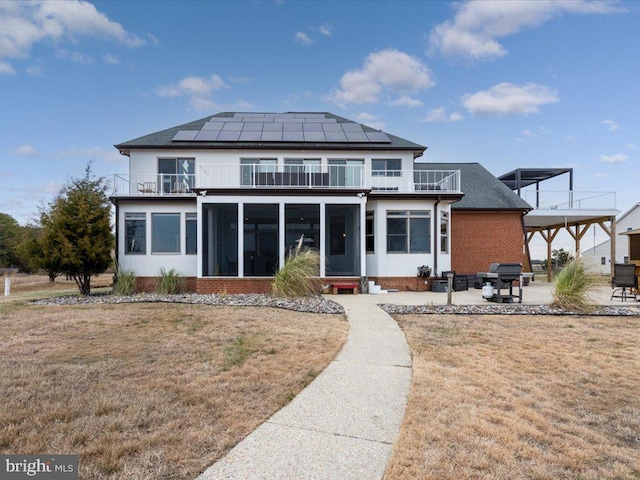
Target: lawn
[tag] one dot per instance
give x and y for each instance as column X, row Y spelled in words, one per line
column 521, row 397
column 150, row 391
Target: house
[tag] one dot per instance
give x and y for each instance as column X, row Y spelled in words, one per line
column 222, row 199
column 597, row 259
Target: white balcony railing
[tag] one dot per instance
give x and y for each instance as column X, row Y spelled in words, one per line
column 574, row 200
column 260, row 176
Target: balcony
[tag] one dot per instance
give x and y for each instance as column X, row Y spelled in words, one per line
column 571, row 200
column 255, row 176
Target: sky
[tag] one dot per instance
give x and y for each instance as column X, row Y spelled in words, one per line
column 508, row 84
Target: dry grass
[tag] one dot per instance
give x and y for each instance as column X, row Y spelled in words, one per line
column 25, row 287
column 151, row 391
column 521, row 398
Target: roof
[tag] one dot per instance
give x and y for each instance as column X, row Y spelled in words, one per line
column 635, row 205
column 523, row 177
column 202, row 134
column 482, row 190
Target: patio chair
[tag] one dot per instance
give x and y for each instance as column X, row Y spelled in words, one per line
column 624, row 281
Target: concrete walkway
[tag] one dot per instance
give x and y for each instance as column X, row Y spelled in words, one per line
column 344, row 424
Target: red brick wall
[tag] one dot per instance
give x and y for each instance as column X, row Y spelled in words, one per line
column 404, row 284
column 150, row 284
column 481, row 238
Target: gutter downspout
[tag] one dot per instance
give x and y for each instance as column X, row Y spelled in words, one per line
column 435, row 236
column 526, row 244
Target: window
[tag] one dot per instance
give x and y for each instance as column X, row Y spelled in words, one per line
column 261, row 239
column 369, row 229
column 386, row 167
column 176, row 174
column 191, row 233
column 258, row 171
column 135, row 225
column 444, row 232
column 337, row 235
column 634, row 248
column 625, row 260
column 408, row 231
column 302, row 165
column 345, row 173
column 165, row 233
column 603, row 260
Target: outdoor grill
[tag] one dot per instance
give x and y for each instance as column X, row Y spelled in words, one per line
column 499, row 276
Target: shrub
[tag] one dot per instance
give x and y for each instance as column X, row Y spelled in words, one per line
column 170, row 282
column 298, row 276
column 124, row 283
column 572, row 287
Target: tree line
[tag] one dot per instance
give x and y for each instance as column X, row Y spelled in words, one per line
column 73, row 235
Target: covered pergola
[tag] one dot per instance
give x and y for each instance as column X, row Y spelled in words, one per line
column 566, row 210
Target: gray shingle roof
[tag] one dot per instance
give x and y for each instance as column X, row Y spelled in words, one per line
column 164, row 139
column 482, row 191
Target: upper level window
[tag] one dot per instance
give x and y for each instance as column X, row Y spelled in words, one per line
column 258, row 171
column 345, row 172
column 408, row 231
column 386, row 167
column 176, row 174
column 302, row 165
column 135, row 226
column 165, row 233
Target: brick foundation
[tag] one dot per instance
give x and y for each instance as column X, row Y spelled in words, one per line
column 404, row 284
column 479, row 238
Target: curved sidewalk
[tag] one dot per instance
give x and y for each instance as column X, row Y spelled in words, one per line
column 344, row 424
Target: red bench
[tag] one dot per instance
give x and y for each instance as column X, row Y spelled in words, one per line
column 354, row 287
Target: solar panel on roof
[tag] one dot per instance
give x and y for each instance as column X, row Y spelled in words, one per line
column 335, row 136
column 250, row 136
column 332, row 127
column 232, row 127
column 249, row 115
column 378, row 137
column 292, row 127
column 230, row 119
column 228, row 136
column 314, row 137
column 272, row 127
column 185, row 135
column 213, row 126
column 309, row 115
column 311, row 127
column 271, row 136
column 352, row 127
column 356, row 137
column 292, row 136
column 291, row 120
column 253, row 127
column 207, row 135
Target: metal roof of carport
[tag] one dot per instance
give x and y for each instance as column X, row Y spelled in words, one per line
column 524, row 177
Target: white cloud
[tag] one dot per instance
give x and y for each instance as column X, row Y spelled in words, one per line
column 35, row 71
column 75, row 56
column 198, row 89
column 611, row 125
column 6, row 69
column 240, row 80
column 631, row 146
column 406, row 101
column 25, row 151
column 509, row 99
column 303, row 38
column 23, row 24
column 474, row 31
column 370, row 120
column 111, row 59
column 326, row 29
column 393, row 70
column 613, row 159
column 440, row 114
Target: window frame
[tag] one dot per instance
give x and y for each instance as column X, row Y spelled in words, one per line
column 444, row 234
column 410, row 218
column 135, row 217
column 376, row 171
column 177, row 235
column 190, row 218
column 370, row 229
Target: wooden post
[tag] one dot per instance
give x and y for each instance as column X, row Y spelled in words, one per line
column 613, row 244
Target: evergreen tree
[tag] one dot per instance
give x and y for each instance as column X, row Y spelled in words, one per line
column 10, row 232
column 77, row 236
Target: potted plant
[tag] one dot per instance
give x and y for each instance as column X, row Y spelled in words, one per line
column 424, row 271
